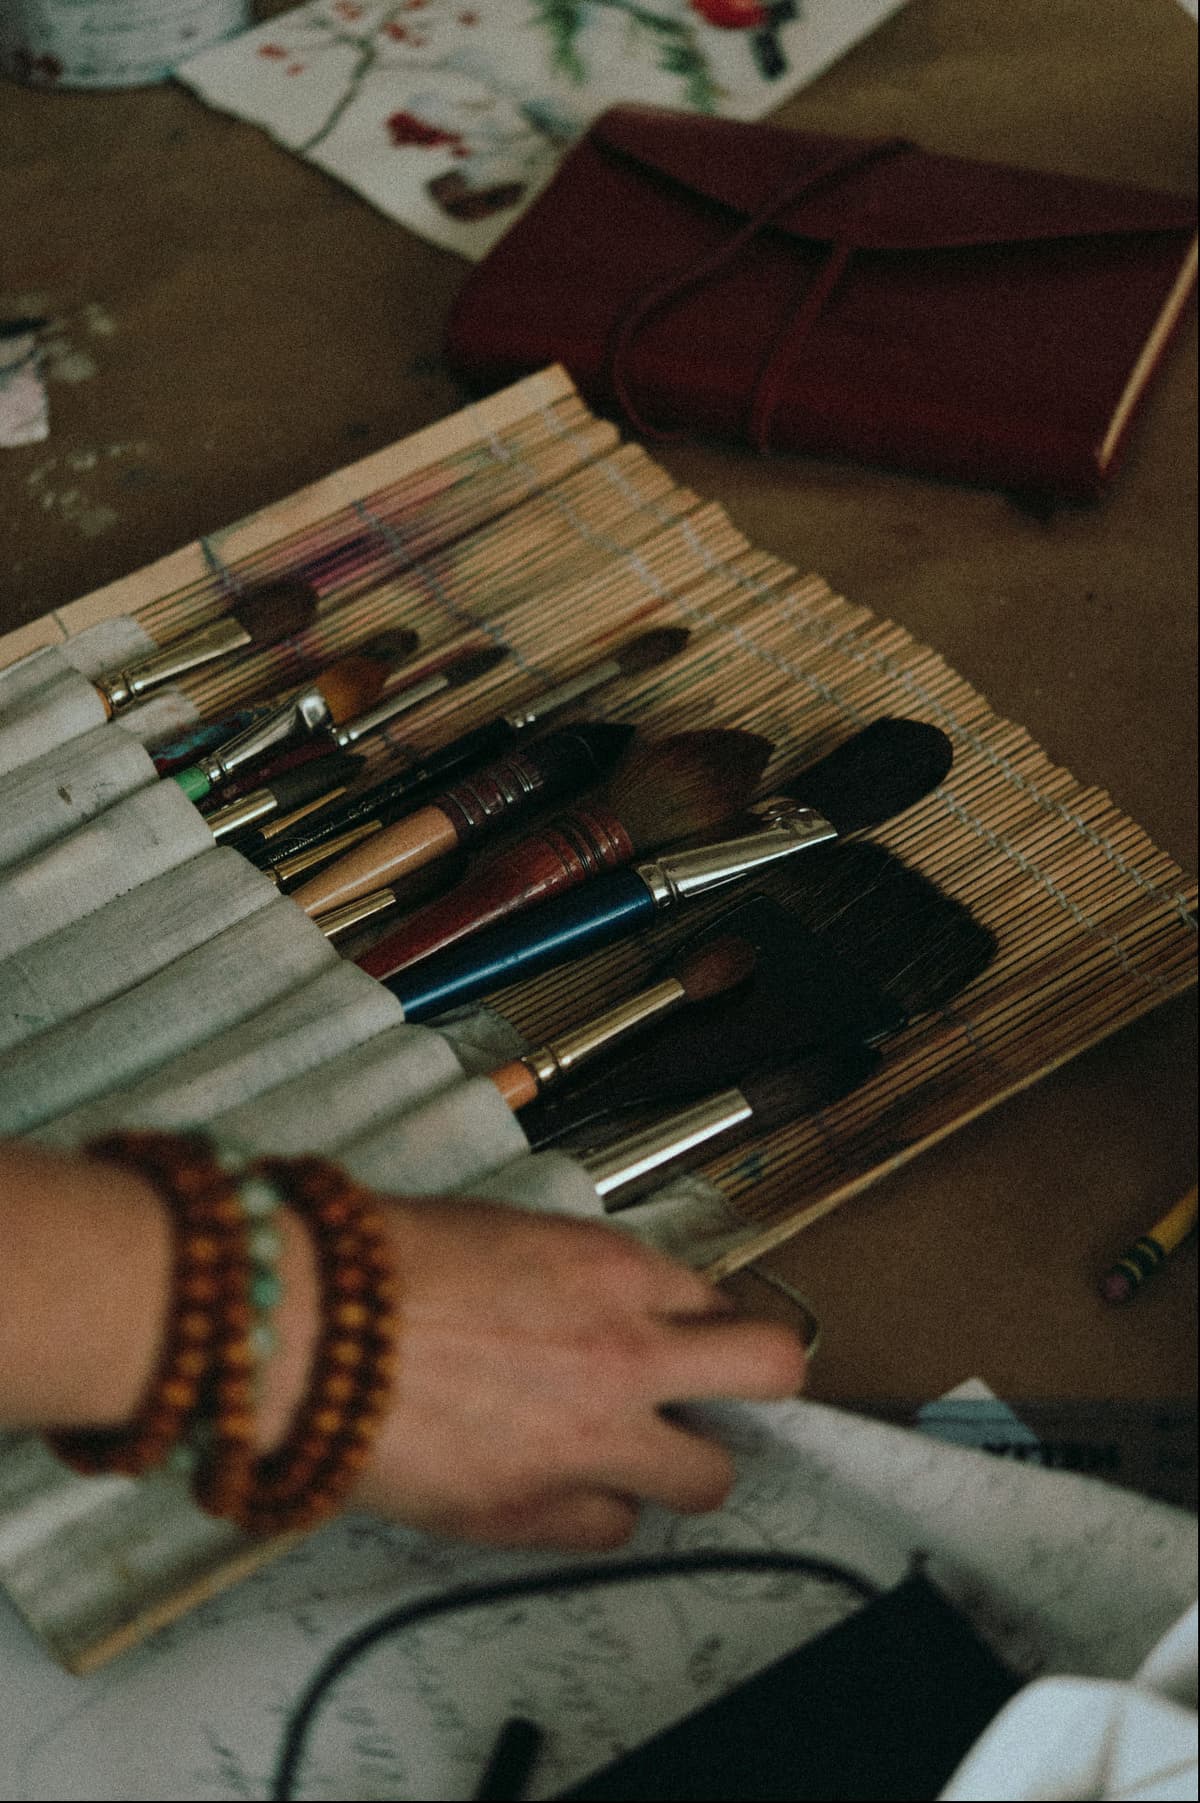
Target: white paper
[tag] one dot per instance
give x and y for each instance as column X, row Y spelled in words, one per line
column 24, row 404
column 436, row 109
column 1063, row 1574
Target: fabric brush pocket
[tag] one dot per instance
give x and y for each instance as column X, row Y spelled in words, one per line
column 131, row 843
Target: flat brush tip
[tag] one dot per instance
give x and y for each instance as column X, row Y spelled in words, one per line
column 887, row 767
column 651, row 648
column 716, row 968
column 276, row 611
column 792, row 1091
column 352, row 684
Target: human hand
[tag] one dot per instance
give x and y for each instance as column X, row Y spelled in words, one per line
column 536, row 1354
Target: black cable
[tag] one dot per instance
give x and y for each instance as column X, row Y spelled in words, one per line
column 467, row 1596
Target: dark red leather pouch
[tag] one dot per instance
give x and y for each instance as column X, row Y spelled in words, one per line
column 838, row 297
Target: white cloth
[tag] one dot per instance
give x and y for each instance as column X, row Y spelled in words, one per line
column 1094, row 1738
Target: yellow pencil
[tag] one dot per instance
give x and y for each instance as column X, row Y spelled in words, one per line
column 1151, row 1250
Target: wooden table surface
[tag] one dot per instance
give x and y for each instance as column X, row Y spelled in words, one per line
column 231, row 324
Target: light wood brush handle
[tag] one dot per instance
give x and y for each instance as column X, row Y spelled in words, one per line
column 382, row 859
column 516, row 1083
column 544, row 772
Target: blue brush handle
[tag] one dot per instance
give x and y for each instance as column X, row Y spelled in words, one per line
column 612, row 907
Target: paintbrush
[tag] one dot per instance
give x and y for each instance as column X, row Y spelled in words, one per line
column 757, row 1105
column 699, row 976
column 862, row 945
column 536, row 775
column 664, row 790
column 306, row 786
column 331, row 705
column 393, row 647
column 392, row 797
column 270, row 613
column 875, row 775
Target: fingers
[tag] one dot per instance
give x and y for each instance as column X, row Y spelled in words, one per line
column 674, row 1467
column 758, row 1360
column 643, row 1279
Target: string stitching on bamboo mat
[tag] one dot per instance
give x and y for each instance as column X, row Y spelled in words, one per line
column 227, row 579
column 954, row 808
column 432, row 583
column 887, row 666
column 1092, row 927
column 948, row 1013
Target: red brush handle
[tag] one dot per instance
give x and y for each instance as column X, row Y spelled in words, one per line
column 572, row 849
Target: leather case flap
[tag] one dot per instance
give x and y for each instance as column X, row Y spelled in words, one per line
column 914, row 200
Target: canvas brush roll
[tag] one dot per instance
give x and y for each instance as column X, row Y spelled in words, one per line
column 837, row 296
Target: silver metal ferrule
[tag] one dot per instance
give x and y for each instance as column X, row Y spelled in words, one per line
column 388, row 709
column 558, row 1056
column 787, row 828
column 255, row 806
column 562, row 695
column 303, row 714
column 123, row 687
column 641, row 1154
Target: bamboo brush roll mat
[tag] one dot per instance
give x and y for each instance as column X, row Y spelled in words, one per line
column 148, row 976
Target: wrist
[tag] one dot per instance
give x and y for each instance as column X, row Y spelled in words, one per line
column 284, row 1374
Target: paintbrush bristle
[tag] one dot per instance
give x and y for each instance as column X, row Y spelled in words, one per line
column 651, row 648
column 689, row 783
column 471, row 665
column 779, row 1097
column 878, row 773
column 352, row 685
column 717, row 968
column 292, row 788
column 393, row 648
column 276, row 611
column 895, row 928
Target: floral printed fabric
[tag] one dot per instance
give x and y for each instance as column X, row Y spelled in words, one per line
column 451, row 115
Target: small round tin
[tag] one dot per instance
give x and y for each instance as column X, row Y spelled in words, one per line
column 110, row 43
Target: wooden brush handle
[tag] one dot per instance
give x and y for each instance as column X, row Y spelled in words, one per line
column 516, row 1083
column 473, row 807
column 570, row 851
column 379, row 860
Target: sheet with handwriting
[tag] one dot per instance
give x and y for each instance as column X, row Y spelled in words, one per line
column 1061, row 1573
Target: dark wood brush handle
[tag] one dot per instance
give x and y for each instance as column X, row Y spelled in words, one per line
column 571, row 850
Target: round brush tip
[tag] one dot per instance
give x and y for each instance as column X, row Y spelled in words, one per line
column 887, row 767
column 393, row 647
column 717, row 968
column 691, row 782
column 277, row 610
column 469, row 666
column 651, row 648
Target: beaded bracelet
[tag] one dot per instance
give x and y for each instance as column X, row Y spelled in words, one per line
column 206, row 1334
column 198, row 1413
column 307, row 1479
